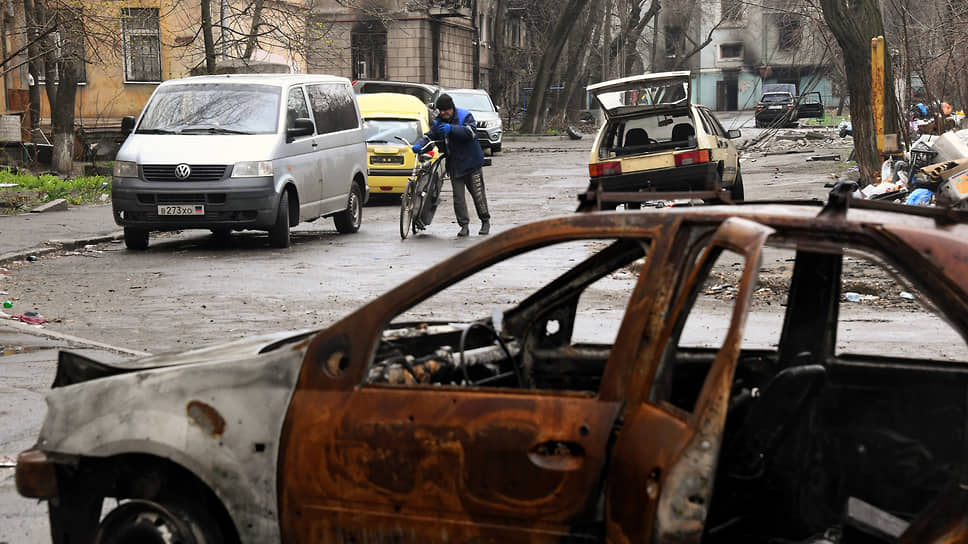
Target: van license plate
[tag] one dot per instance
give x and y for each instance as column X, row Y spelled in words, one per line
column 181, row 209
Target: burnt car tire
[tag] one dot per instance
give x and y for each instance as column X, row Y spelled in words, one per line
column 736, row 192
column 147, row 522
column 279, row 232
column 135, row 238
column 349, row 220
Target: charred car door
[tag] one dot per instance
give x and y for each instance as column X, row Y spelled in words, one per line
column 465, row 432
column 664, row 460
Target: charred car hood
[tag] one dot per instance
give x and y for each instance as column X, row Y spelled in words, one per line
column 75, row 368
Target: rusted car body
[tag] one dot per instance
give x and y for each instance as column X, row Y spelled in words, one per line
column 504, row 428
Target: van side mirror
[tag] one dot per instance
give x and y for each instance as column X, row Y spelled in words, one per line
column 497, row 108
column 733, row 134
column 302, row 126
column 127, row 125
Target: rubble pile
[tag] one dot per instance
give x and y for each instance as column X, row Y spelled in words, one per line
column 933, row 172
column 795, row 141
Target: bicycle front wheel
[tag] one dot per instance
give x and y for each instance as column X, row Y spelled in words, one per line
column 406, row 210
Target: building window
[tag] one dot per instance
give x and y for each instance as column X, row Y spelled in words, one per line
column 369, row 44
column 730, row 51
column 789, row 32
column 732, row 10
column 675, row 41
column 142, row 44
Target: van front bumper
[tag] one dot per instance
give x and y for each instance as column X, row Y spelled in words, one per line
column 236, row 203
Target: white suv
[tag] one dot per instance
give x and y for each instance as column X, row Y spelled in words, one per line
column 489, row 125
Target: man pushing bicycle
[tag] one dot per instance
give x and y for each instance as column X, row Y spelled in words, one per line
column 457, row 128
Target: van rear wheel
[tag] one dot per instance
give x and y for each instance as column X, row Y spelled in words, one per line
column 279, row 233
column 135, row 238
column 349, row 220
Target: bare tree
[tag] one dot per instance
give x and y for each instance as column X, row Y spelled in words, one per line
column 536, row 113
column 854, row 24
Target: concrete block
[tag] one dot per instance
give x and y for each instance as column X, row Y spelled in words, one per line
column 59, row 205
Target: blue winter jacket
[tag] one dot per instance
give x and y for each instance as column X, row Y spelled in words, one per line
column 464, row 154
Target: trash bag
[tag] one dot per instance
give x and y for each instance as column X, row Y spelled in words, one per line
column 920, row 197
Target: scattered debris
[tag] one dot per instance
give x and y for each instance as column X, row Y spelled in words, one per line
column 30, row 320
column 58, row 205
column 823, row 158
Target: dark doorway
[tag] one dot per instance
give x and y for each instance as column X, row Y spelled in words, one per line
column 368, row 42
column 727, row 93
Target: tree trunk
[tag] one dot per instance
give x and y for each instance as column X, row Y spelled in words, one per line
column 33, row 69
column 252, row 39
column 206, row 7
column 535, row 115
column 854, row 24
column 62, row 117
column 498, row 80
column 575, row 74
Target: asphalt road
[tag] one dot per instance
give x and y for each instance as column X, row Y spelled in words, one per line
column 188, row 291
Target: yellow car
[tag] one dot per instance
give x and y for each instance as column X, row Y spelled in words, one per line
column 387, row 116
column 655, row 139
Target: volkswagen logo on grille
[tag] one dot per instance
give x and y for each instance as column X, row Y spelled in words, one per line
column 182, row 171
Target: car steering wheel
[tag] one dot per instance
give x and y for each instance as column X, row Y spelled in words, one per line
column 463, row 362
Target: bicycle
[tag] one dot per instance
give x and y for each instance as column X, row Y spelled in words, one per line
column 418, row 203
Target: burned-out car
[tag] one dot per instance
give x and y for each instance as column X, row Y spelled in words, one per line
column 718, row 374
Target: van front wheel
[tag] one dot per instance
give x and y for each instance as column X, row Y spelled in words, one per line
column 279, row 232
column 349, row 220
column 135, row 238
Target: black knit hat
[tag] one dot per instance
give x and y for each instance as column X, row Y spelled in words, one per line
column 445, row 102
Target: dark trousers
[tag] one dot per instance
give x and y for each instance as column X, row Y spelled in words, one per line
column 475, row 184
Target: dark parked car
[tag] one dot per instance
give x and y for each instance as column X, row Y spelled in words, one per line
column 810, row 105
column 776, row 109
column 635, row 385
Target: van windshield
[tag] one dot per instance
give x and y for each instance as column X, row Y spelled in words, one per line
column 207, row 108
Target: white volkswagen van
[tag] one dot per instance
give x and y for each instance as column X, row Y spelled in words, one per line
column 234, row 152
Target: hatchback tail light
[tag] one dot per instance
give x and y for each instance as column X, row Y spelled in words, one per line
column 692, row 157
column 605, row 169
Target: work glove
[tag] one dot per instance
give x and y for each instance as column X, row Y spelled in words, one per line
column 443, row 127
column 416, row 148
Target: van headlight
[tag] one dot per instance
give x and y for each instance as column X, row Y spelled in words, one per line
column 125, row 169
column 252, row 169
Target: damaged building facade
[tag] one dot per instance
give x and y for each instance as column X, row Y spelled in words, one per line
column 749, row 45
column 425, row 42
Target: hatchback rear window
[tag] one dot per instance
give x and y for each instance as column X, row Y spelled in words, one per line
column 776, row 98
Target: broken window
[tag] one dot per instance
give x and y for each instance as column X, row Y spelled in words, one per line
column 789, row 31
column 369, row 50
column 731, row 51
column 675, row 41
column 545, row 319
column 142, row 44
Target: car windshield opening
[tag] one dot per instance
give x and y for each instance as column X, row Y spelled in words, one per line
column 216, row 108
column 386, row 130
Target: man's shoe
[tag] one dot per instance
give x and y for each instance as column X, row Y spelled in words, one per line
column 485, row 227
column 464, row 231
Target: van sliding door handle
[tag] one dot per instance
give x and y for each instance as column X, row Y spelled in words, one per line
column 314, row 144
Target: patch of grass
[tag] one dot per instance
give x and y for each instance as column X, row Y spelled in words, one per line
column 31, row 190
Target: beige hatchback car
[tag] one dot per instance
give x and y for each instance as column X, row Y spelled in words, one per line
column 655, row 139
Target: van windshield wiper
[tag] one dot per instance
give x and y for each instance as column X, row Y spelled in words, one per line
column 155, row 131
column 377, row 142
column 211, row 130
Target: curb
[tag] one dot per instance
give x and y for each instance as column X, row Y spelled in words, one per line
column 7, row 321
column 52, row 246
